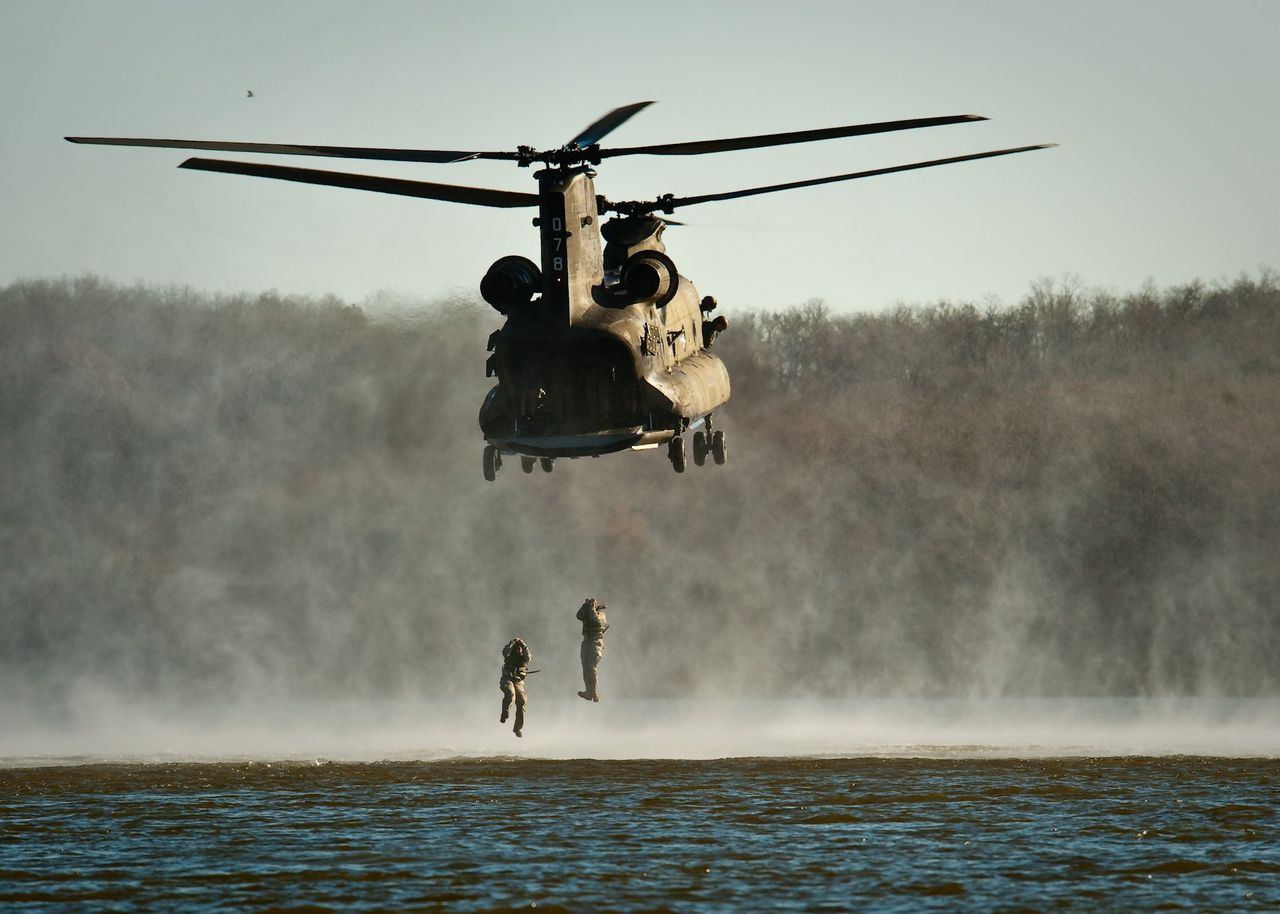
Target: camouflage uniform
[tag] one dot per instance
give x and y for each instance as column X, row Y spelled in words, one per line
column 515, row 666
column 591, row 615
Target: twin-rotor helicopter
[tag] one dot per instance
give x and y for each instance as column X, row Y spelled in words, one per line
column 605, row 346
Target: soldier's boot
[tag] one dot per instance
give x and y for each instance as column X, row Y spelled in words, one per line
column 586, row 696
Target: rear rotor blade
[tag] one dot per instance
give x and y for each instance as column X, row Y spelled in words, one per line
column 607, row 124
column 453, row 193
column 698, row 147
column 667, row 204
column 339, row 152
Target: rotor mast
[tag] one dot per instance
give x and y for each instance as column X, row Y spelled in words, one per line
column 570, row 227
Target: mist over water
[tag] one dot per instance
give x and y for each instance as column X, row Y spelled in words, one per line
column 254, row 526
column 560, row 727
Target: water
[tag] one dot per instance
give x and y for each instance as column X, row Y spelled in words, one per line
column 949, row 824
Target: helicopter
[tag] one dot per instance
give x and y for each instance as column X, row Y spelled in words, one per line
column 605, row 346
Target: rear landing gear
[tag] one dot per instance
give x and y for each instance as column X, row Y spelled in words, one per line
column 700, row 448
column 676, row 454
column 492, row 462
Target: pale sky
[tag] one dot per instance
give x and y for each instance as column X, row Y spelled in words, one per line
column 1165, row 112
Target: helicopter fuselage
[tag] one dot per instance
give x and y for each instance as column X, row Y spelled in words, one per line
column 612, row 354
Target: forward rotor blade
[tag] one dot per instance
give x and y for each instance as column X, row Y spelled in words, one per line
column 673, row 202
column 607, row 124
column 698, row 147
column 453, row 193
column 338, row 152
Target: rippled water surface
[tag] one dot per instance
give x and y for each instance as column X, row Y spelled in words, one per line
column 901, row 834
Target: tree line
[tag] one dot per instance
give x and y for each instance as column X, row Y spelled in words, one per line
column 1077, row 494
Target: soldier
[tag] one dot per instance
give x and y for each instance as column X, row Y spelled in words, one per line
column 515, row 666
column 591, row 615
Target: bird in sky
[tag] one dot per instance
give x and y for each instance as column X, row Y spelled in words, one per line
column 249, row 94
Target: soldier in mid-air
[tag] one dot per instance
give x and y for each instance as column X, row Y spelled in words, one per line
column 591, row 615
column 515, row 667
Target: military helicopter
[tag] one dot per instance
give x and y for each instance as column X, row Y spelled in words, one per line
column 603, row 348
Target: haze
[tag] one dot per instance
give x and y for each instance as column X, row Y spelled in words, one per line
column 241, row 463
column 227, row 508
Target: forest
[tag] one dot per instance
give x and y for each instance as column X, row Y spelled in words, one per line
column 1077, row 494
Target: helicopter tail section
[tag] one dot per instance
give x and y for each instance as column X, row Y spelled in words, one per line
column 565, row 385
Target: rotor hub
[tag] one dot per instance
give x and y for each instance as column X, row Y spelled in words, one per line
column 564, row 157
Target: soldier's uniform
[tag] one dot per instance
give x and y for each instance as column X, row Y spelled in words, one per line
column 594, row 625
column 515, row 666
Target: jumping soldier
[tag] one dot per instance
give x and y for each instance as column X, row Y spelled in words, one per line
column 591, row 615
column 515, row 667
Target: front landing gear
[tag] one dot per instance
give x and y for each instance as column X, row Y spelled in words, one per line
column 707, row 442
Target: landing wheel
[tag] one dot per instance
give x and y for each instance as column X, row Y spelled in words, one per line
column 717, row 448
column 700, row 448
column 527, row 463
column 675, row 453
column 548, row 464
column 491, row 462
